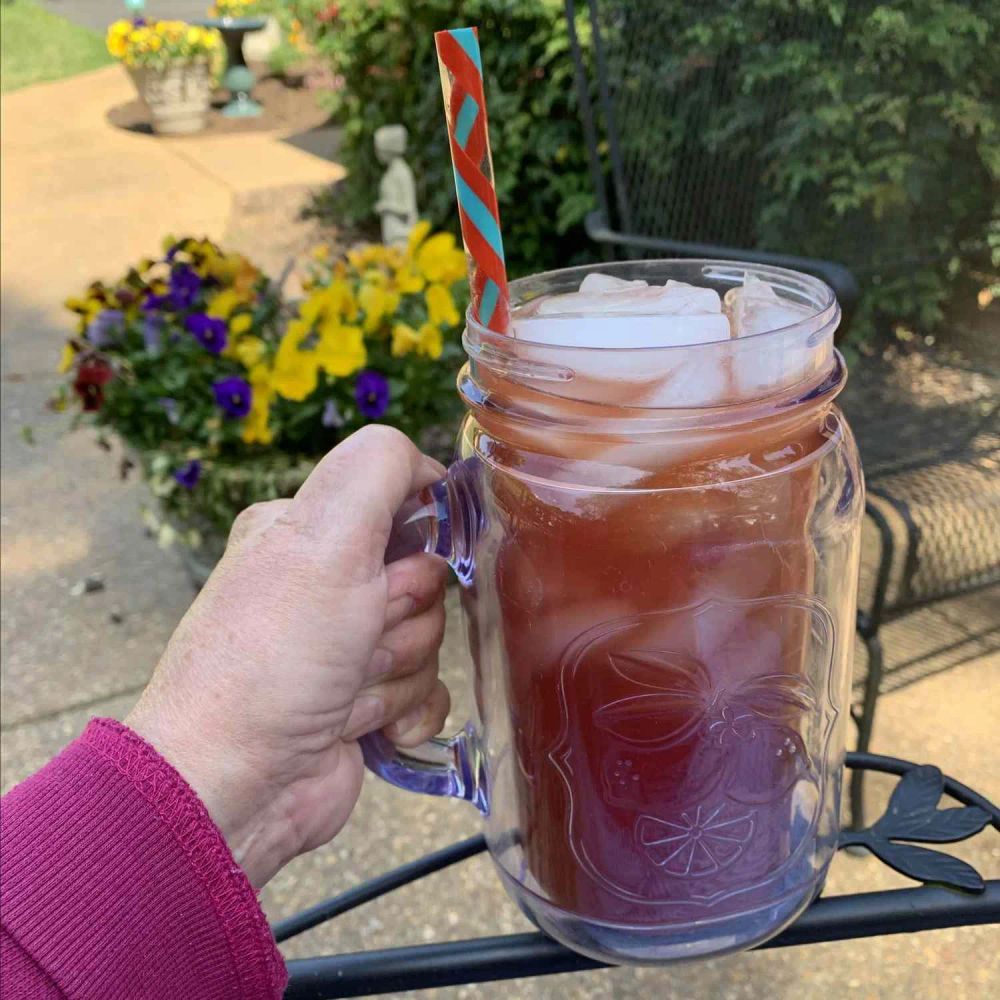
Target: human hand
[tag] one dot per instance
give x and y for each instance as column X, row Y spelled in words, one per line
column 302, row 641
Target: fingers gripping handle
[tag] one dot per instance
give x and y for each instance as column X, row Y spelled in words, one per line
column 445, row 519
column 452, row 766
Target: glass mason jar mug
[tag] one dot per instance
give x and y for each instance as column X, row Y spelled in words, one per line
column 658, row 552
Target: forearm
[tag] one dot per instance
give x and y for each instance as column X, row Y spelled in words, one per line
column 117, row 884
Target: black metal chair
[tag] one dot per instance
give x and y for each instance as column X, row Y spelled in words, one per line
column 912, row 816
column 674, row 190
column 938, row 525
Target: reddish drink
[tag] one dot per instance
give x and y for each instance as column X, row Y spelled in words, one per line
column 657, row 654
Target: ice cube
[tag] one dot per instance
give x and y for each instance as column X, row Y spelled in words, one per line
column 780, row 360
column 597, row 282
column 608, row 312
column 756, row 307
column 602, row 294
column 619, row 330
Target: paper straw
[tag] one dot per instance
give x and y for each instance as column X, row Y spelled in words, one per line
column 468, row 135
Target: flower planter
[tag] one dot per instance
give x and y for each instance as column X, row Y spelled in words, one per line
column 177, row 96
column 225, row 394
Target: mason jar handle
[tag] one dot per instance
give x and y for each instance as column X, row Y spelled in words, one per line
column 446, row 519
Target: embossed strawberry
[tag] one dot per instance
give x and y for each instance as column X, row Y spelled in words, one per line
column 762, row 756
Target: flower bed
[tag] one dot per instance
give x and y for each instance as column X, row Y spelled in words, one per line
column 227, row 393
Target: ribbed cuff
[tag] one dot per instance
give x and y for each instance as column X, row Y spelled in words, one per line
column 119, row 885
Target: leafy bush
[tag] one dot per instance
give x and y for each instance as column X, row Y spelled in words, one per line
column 885, row 156
column 226, row 392
column 385, row 53
column 876, row 124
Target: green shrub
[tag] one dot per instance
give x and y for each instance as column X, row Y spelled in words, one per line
column 884, row 150
column 885, row 156
column 385, row 53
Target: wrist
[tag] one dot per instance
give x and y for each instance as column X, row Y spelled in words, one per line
column 238, row 804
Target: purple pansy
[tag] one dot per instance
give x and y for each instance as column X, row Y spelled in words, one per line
column 371, row 392
column 331, row 415
column 209, row 331
column 169, row 405
column 139, row 22
column 188, row 474
column 184, row 287
column 233, row 395
column 151, row 329
column 104, row 326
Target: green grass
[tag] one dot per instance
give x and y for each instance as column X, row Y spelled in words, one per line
column 36, row 45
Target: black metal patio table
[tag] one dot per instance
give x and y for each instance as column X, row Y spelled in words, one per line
column 953, row 895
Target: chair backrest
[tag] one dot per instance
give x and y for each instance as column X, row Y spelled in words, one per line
column 686, row 143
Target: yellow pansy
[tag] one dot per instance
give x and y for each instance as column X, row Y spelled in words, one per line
column 408, row 280
column 426, row 341
column 342, row 300
column 378, row 302
column 248, row 350
column 86, row 308
column 337, row 299
column 431, row 341
column 417, row 235
column 256, row 429
column 341, row 349
column 223, row 303
column 240, row 323
column 311, row 309
column 440, row 260
column 393, row 258
column 404, row 340
column 117, row 38
column 441, row 306
column 231, row 269
column 364, row 257
column 69, row 353
column 296, row 371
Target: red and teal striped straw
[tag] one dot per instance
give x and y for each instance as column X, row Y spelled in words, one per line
column 468, row 134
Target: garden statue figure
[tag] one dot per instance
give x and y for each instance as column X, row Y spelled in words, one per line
column 397, row 191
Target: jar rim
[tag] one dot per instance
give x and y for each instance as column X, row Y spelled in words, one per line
column 821, row 321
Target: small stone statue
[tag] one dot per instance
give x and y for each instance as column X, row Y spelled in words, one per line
column 397, row 191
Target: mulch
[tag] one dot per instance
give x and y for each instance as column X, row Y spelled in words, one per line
column 290, row 107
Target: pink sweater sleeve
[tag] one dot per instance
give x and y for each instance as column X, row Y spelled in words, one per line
column 116, row 884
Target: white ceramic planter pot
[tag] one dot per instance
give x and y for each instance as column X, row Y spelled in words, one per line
column 177, row 96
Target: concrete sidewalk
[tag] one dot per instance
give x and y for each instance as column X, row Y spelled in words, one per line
column 81, row 200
